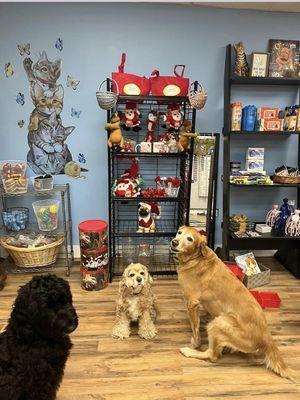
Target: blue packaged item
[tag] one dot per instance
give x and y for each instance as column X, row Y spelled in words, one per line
column 249, row 118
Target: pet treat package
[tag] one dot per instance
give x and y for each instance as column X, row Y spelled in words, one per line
column 94, row 254
column 248, row 264
column 175, row 85
column 130, row 84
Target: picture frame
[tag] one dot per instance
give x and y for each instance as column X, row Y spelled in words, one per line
column 284, row 58
column 259, row 64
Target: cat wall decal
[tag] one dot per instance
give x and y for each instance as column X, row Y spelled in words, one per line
column 48, row 152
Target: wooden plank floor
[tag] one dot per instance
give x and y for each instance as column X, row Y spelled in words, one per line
column 103, row 368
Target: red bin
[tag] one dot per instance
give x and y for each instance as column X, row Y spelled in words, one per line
column 94, row 254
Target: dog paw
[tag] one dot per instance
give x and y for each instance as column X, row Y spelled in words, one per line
column 186, row 351
column 120, row 334
column 195, row 343
column 147, row 334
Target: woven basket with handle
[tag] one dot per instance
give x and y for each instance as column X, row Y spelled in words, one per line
column 286, row 180
column 197, row 97
column 107, row 99
column 33, row 257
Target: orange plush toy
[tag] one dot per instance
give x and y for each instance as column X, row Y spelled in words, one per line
column 185, row 136
column 116, row 140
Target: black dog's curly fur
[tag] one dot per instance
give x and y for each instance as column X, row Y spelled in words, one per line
column 35, row 345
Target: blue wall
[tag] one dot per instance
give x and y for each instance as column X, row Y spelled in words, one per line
column 154, row 36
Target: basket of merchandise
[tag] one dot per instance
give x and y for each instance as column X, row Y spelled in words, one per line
column 31, row 250
column 256, row 274
column 285, row 175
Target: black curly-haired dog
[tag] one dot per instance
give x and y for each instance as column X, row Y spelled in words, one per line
column 35, row 345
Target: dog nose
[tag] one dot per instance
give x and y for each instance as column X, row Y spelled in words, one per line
column 175, row 243
column 139, row 279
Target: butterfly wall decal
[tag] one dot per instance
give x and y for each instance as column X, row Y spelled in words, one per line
column 20, row 99
column 71, row 82
column 24, row 49
column 9, row 70
column 81, row 158
column 59, row 44
column 75, row 113
column 21, row 123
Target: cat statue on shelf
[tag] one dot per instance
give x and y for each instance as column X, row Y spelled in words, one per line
column 44, row 72
column 241, row 67
column 45, row 105
column 48, row 152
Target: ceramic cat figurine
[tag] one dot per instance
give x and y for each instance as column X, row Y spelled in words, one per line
column 44, row 105
column 48, row 152
column 45, row 72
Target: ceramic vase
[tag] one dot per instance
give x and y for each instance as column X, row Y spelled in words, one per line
column 292, row 227
column 272, row 215
column 285, row 212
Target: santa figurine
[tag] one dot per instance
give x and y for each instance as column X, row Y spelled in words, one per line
column 146, row 223
column 173, row 119
column 130, row 118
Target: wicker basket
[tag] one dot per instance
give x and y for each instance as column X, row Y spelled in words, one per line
column 286, row 180
column 33, row 257
column 259, row 279
column 107, row 99
column 197, row 97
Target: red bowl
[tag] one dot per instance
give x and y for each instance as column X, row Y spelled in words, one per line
column 267, row 299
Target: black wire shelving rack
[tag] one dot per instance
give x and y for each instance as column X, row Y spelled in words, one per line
column 125, row 243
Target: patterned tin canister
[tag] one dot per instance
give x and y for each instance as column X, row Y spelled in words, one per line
column 94, row 254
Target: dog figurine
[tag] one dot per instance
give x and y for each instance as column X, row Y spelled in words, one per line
column 136, row 302
column 35, row 344
column 146, row 222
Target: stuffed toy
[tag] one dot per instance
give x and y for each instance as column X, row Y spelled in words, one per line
column 173, row 119
column 185, row 136
column 129, row 183
column 151, row 126
column 130, row 118
column 146, row 223
column 116, row 140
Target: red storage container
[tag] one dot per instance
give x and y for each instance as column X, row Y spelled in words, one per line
column 235, row 269
column 130, row 84
column 94, row 254
column 267, row 299
column 169, row 85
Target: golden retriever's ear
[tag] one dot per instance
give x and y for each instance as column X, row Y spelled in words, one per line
column 203, row 248
column 150, row 279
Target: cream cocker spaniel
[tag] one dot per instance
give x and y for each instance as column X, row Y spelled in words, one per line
column 136, row 302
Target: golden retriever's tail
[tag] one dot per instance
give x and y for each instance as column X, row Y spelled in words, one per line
column 275, row 362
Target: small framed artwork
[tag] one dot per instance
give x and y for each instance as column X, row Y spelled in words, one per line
column 284, row 58
column 260, row 64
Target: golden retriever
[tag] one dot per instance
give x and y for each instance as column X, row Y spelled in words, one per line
column 136, row 302
column 238, row 320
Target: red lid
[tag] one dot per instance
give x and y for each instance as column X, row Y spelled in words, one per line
column 92, row 225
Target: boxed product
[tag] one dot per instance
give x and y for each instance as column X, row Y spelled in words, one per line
column 255, row 153
column 248, row 264
column 263, row 228
column 268, row 112
column 274, row 124
column 255, row 164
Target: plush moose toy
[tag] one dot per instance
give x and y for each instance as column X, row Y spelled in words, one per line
column 173, row 119
column 116, row 140
column 146, row 221
column 130, row 118
column 185, row 136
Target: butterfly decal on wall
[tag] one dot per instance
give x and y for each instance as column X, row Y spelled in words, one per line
column 9, row 70
column 21, row 123
column 71, row 82
column 20, row 99
column 81, row 158
column 24, row 49
column 59, row 44
column 75, row 113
